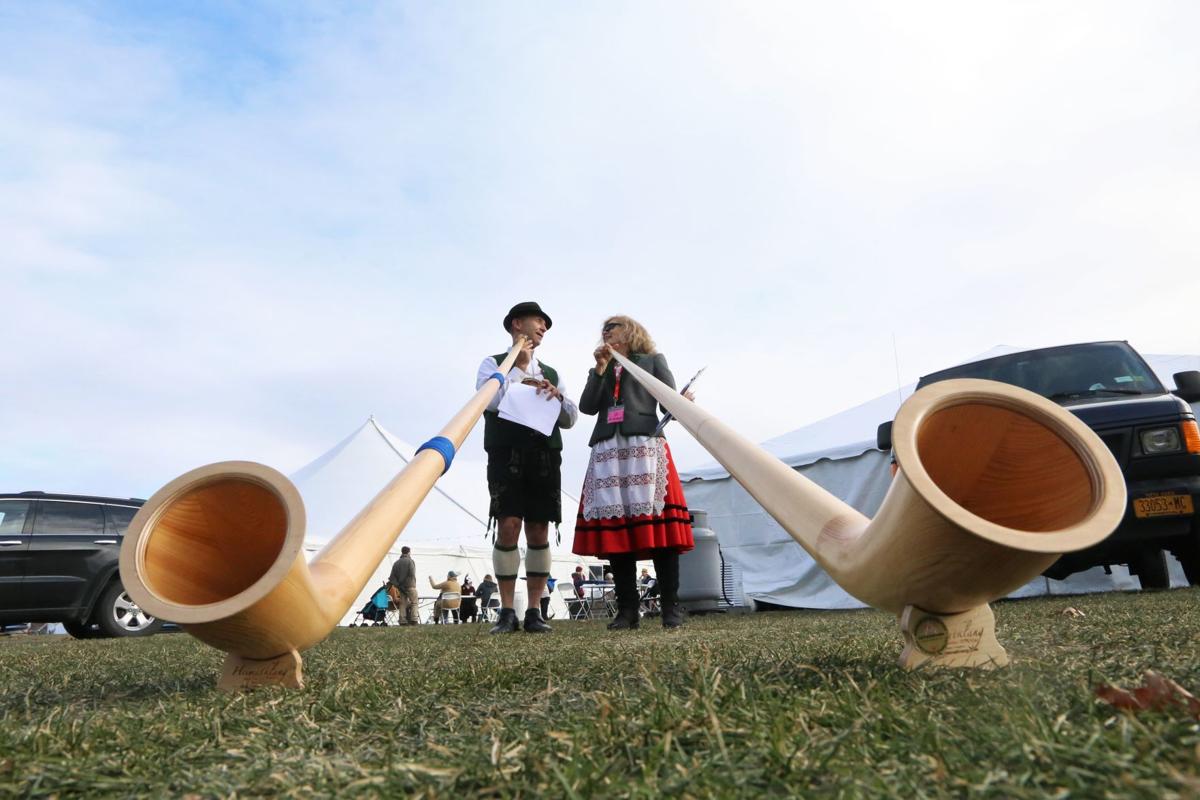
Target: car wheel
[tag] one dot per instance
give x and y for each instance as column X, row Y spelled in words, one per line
column 1189, row 558
column 80, row 630
column 1151, row 568
column 118, row 615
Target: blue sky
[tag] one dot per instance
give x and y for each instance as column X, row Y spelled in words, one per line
column 235, row 230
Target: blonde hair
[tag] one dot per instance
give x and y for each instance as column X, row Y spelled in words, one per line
column 633, row 334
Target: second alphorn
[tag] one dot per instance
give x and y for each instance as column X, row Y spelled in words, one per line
column 994, row 483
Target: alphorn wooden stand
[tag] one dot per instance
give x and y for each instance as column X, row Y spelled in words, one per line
column 950, row 640
column 995, row 483
column 240, row 672
column 219, row 551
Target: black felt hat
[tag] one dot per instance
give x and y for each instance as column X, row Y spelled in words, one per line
column 526, row 309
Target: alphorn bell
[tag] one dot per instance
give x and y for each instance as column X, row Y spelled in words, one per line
column 219, row 550
column 994, row 484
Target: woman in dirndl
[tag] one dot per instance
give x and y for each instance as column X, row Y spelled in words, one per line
column 632, row 506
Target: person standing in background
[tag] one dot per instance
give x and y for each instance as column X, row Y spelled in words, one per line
column 402, row 586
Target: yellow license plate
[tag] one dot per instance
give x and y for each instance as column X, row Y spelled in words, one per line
column 1163, row 505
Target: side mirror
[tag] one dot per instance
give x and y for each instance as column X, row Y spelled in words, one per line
column 1187, row 385
column 883, row 436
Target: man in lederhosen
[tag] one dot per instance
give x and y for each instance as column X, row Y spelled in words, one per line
column 524, row 471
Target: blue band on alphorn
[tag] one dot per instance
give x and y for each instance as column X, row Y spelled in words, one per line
column 444, row 446
column 498, row 377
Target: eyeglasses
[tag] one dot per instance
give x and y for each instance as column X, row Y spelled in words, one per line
column 609, row 326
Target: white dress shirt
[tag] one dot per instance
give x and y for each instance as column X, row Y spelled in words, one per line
column 569, row 412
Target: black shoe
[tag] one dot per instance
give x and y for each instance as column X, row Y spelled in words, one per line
column 534, row 622
column 626, row 620
column 506, row 622
column 672, row 616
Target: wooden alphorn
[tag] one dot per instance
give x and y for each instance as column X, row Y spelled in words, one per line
column 994, row 483
column 219, row 550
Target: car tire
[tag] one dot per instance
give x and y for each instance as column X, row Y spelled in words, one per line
column 117, row 614
column 81, row 630
column 1189, row 558
column 1151, row 568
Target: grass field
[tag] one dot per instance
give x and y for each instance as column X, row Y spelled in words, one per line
column 782, row 704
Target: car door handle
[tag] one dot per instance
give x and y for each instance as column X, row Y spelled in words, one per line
column 10, row 542
column 104, row 541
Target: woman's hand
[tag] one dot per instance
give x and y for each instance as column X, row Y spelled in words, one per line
column 602, row 357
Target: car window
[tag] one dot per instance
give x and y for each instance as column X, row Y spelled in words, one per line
column 119, row 518
column 58, row 518
column 12, row 516
column 1096, row 369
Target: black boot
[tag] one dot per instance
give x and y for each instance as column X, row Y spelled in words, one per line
column 506, row 622
column 625, row 582
column 627, row 619
column 666, row 564
column 534, row 622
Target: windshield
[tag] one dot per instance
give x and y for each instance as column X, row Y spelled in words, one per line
column 1085, row 370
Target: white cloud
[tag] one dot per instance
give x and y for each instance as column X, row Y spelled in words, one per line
column 242, row 238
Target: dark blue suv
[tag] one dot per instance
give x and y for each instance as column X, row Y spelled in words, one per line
column 1152, row 433
column 58, row 563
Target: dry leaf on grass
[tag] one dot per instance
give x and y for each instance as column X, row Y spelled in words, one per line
column 1073, row 613
column 1156, row 693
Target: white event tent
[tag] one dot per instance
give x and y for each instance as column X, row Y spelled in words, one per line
column 449, row 529
column 839, row 454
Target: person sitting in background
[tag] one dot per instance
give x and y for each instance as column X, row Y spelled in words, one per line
column 575, row 605
column 451, row 587
column 487, row 588
column 649, row 585
column 467, row 610
column 610, row 594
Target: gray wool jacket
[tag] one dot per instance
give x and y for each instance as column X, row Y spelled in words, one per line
column 641, row 410
column 404, row 573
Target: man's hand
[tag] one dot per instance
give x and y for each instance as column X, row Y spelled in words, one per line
column 549, row 389
column 526, row 354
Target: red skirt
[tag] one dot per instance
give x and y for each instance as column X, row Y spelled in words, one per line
column 639, row 535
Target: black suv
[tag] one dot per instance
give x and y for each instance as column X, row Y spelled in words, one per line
column 58, row 563
column 1152, row 433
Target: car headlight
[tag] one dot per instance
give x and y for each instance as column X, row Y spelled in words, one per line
column 1160, row 440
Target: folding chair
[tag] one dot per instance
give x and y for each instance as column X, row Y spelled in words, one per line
column 600, row 600
column 609, row 596
column 446, row 598
column 492, row 603
column 577, row 607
